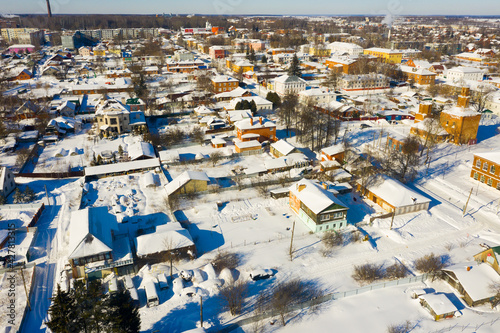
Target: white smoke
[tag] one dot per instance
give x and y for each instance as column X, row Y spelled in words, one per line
column 388, row 20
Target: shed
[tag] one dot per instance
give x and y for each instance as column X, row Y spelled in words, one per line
column 438, row 305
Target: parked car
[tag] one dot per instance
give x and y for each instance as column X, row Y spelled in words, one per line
column 186, row 275
column 261, row 274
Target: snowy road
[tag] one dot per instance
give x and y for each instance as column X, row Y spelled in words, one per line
column 46, row 259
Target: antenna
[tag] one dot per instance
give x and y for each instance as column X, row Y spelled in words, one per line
column 48, row 9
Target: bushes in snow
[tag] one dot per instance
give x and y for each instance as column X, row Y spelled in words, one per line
column 367, row 273
column 24, row 197
column 225, row 260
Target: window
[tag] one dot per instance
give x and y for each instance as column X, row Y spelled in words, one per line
column 498, row 186
column 483, row 179
column 476, row 176
column 485, row 166
column 113, row 121
column 490, row 182
column 340, row 225
column 492, row 169
column 325, row 217
column 478, row 163
column 327, row 226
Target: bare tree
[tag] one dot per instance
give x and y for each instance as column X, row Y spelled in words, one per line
column 287, row 111
column 225, row 259
column 396, row 271
column 289, row 293
column 233, row 294
column 215, row 157
column 430, row 264
column 480, row 97
column 495, row 287
column 367, row 273
column 330, row 240
column 170, row 254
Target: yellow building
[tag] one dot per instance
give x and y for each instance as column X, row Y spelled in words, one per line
column 319, row 51
column 242, row 66
column 387, row 55
column 99, row 51
column 461, row 121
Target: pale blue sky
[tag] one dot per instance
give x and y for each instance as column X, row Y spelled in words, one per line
column 234, row 7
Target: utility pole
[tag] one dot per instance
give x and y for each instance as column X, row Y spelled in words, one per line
column 47, row 194
column 465, row 208
column 201, row 311
column 291, row 241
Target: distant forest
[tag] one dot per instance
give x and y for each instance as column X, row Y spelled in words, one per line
column 94, row 21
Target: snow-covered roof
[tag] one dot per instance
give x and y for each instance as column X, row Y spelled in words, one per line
column 202, row 109
column 440, row 303
column 477, row 280
column 289, row 79
column 333, row 150
column 247, row 144
column 183, row 179
column 150, row 179
column 283, row 147
column 238, row 92
column 315, row 197
column 140, row 149
column 122, row 167
column 111, row 106
column 394, row 192
column 461, row 112
column 90, row 232
column 463, row 69
column 223, row 78
column 254, row 123
column 169, row 155
column 237, row 115
column 490, row 156
column 169, row 236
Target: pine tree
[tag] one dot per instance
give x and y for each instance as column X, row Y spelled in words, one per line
column 122, row 316
column 264, row 59
column 253, row 107
column 83, row 307
column 294, row 69
column 18, row 196
column 29, row 195
column 120, row 150
column 62, row 314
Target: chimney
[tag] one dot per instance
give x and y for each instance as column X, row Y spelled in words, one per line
column 325, row 186
column 49, row 11
column 260, row 120
column 251, row 121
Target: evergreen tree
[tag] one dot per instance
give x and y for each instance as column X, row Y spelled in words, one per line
column 62, row 314
column 18, row 196
column 238, row 106
column 29, row 195
column 253, row 107
column 264, row 59
column 120, row 150
column 274, row 98
column 123, row 316
column 294, row 69
column 83, row 307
